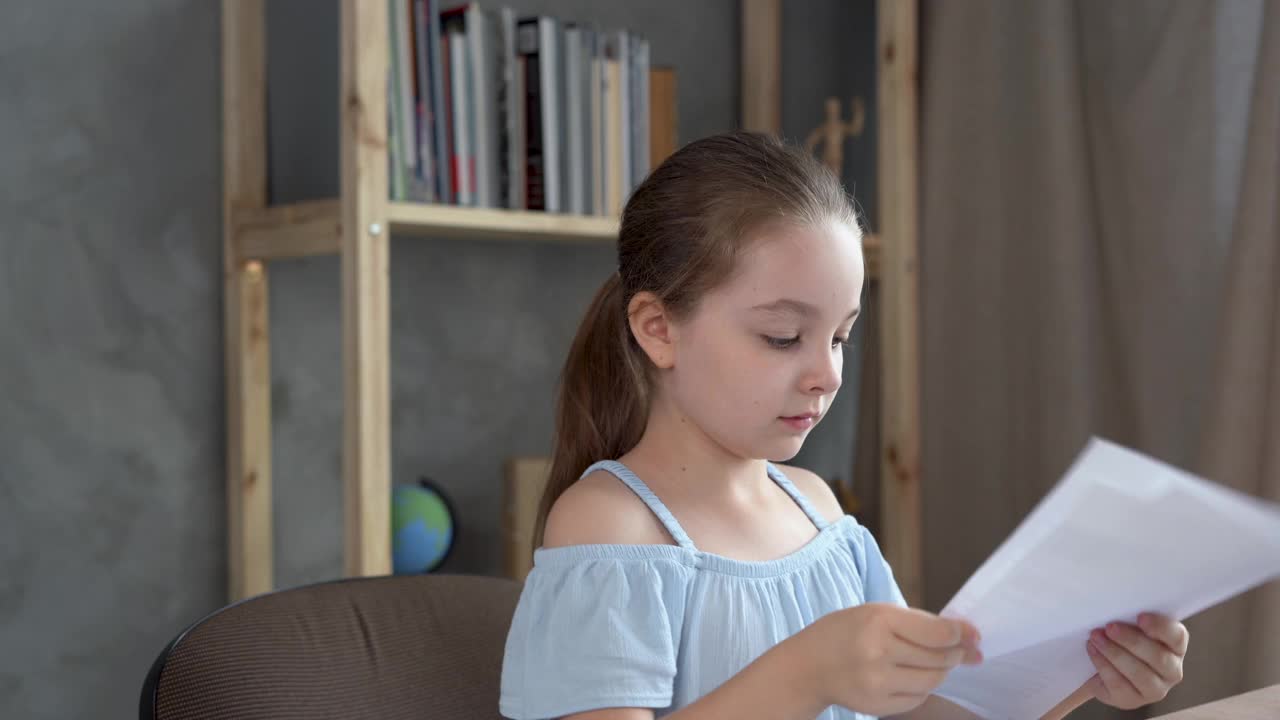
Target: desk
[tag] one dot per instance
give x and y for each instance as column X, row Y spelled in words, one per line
column 1261, row 704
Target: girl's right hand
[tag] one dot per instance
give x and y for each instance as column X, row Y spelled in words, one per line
column 882, row 659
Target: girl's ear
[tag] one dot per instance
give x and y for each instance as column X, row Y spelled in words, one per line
column 653, row 329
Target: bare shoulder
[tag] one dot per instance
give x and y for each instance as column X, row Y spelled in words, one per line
column 600, row 509
column 816, row 489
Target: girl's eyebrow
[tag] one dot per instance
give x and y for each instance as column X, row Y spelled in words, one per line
column 787, row 306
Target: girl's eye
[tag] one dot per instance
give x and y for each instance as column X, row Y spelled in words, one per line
column 781, row 343
column 840, row 341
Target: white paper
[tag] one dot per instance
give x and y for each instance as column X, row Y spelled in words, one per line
column 1120, row 534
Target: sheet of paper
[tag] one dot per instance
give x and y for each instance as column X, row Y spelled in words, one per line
column 1120, row 534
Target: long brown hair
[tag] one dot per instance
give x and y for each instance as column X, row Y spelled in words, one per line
column 681, row 232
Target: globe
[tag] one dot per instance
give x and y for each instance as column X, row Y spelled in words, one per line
column 422, row 528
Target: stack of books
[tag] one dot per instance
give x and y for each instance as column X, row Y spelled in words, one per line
column 487, row 109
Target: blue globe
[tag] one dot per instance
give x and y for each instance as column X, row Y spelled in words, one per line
column 422, row 528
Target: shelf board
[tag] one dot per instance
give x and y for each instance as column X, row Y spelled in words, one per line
column 452, row 221
column 314, row 228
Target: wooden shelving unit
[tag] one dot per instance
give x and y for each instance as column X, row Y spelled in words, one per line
column 358, row 226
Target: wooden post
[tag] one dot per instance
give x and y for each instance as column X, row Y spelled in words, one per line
column 898, row 194
column 366, row 458
column 247, row 350
column 762, row 65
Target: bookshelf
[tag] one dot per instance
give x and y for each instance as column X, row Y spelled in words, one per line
column 358, row 226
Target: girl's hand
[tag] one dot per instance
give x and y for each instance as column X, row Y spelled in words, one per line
column 1137, row 664
column 882, row 659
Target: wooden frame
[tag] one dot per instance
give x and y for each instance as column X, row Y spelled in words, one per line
column 891, row 256
column 897, row 182
column 357, row 225
column 247, row 342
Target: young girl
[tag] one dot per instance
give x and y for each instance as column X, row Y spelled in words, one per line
column 679, row 571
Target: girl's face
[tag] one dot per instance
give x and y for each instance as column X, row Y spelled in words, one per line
column 758, row 363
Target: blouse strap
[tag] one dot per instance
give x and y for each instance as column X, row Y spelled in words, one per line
column 785, row 483
column 633, row 481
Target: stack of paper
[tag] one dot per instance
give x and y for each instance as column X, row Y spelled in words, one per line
column 1121, row 534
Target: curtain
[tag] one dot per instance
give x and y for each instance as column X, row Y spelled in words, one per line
column 1099, row 257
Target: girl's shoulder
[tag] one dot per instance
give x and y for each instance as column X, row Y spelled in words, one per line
column 600, row 509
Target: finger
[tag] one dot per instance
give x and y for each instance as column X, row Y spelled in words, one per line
column 929, row 630
column 1154, row 653
column 1144, row 680
column 908, row 654
column 1167, row 630
column 1110, row 685
column 912, row 681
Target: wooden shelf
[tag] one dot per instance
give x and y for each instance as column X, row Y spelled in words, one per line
column 461, row 222
column 315, row 228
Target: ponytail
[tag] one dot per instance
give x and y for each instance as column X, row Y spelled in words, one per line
column 602, row 405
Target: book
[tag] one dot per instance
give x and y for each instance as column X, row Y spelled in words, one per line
column 525, row 480
column 511, row 108
column 535, row 45
column 427, row 186
column 663, row 129
column 484, row 41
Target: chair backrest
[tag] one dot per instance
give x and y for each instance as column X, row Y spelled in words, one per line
column 390, row 648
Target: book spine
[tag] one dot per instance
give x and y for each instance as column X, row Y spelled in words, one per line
column 439, row 102
column 640, row 157
column 624, row 114
column 426, row 119
column 395, row 131
column 574, row 132
column 404, row 63
column 484, row 107
column 461, row 119
column 552, row 145
column 449, row 114
column 530, row 52
column 586, row 66
column 510, row 103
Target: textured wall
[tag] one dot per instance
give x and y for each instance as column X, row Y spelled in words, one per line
column 111, row 434
column 112, row 512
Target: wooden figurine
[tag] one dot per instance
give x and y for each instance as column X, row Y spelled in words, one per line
column 833, row 131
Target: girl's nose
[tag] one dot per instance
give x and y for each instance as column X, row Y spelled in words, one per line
column 825, row 377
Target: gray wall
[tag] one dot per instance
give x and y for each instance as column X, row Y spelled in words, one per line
column 112, row 523
column 111, row 439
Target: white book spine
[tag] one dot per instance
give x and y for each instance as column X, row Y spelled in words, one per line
column 481, row 31
column 583, row 111
column 597, row 126
column 461, row 117
column 575, row 135
column 549, row 64
column 624, row 107
column 513, row 108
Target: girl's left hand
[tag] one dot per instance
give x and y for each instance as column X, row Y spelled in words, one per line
column 1137, row 664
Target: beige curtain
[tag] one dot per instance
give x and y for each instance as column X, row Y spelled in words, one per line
column 1099, row 255
column 1242, row 433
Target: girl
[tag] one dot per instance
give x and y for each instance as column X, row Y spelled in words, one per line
column 679, row 571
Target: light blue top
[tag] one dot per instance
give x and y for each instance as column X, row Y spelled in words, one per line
column 659, row 626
